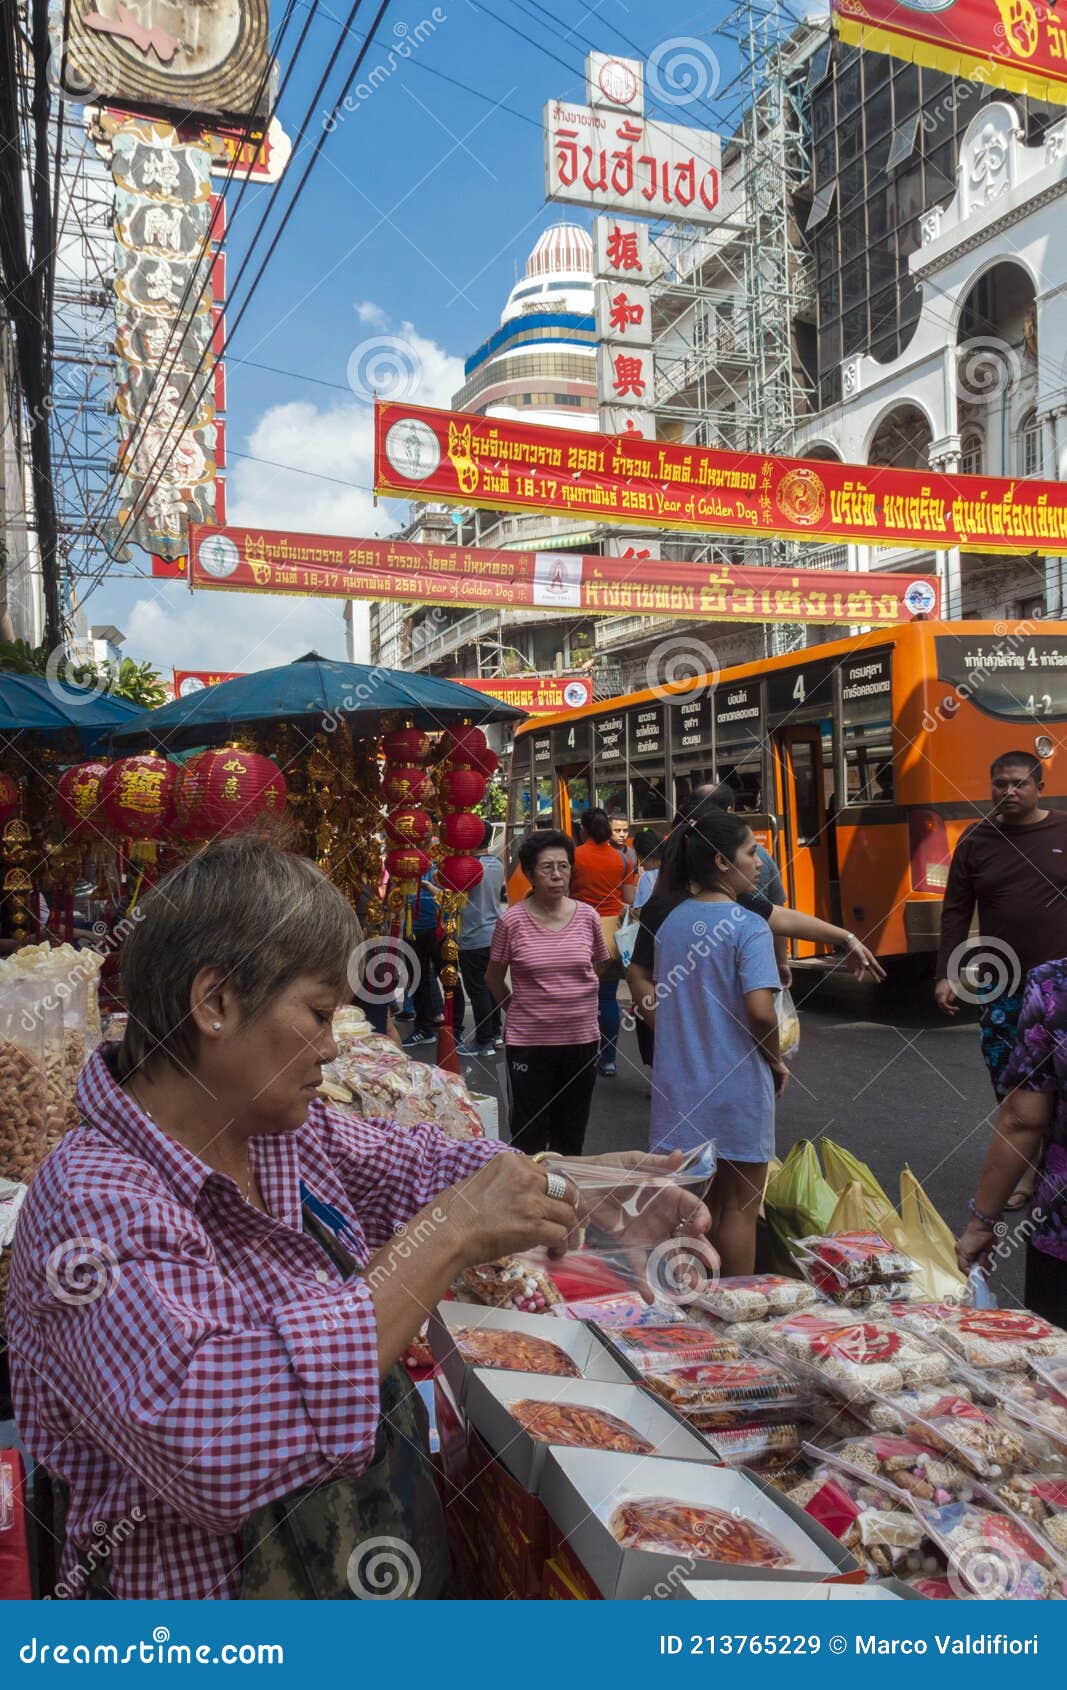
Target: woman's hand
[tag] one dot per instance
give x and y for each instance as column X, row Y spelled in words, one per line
column 504, row 1209
column 860, row 961
column 974, row 1244
column 779, row 1073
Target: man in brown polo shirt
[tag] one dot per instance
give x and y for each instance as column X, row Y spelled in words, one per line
column 1013, row 868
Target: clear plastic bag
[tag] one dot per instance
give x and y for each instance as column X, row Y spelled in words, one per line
column 854, row 1358
column 23, row 1104
column 653, row 1349
column 755, row 1296
column 788, row 1024
column 725, row 1395
column 1040, row 1501
column 839, row 1263
column 964, row 1431
column 990, row 1554
column 986, row 1338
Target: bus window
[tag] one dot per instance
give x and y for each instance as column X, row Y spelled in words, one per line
column 687, row 780
column 545, row 816
column 578, row 798
column 743, row 770
column 649, row 795
column 739, row 742
column 867, row 734
column 611, row 795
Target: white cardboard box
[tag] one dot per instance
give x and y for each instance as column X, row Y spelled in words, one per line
column 490, row 1392
column 589, row 1355
column 778, row 1590
column 582, row 1488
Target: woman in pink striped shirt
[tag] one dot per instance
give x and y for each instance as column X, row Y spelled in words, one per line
column 554, row 948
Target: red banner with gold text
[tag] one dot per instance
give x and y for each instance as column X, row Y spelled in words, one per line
column 421, row 453
column 324, row 565
column 1015, row 44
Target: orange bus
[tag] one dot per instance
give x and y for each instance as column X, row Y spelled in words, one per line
column 859, row 763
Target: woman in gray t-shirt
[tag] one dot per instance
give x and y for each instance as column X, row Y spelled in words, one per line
column 717, row 1067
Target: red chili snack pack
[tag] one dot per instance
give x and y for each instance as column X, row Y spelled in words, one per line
column 520, row 1352
column 666, row 1527
column 578, row 1425
column 730, row 1393
column 651, row 1348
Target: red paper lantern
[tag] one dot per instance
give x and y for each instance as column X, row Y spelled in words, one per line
column 460, row 874
column 227, row 791
column 463, row 831
column 409, row 825
column 462, row 789
column 9, row 799
column 406, row 745
column 406, row 863
column 78, row 798
column 406, row 785
column 467, row 748
column 137, row 795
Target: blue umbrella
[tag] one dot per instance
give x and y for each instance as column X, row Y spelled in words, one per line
column 45, row 709
column 314, row 694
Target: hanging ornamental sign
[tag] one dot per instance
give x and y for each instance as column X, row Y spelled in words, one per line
column 330, row 566
column 173, row 58
column 494, row 464
column 1020, row 45
column 165, row 281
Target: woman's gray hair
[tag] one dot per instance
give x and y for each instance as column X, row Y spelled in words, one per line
column 259, row 914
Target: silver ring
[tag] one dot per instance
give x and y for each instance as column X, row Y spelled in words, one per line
column 556, row 1186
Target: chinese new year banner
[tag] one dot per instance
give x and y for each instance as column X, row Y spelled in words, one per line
column 421, row 453
column 538, row 695
column 323, row 565
column 1015, row 44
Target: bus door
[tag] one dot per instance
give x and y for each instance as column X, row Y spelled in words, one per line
column 572, row 755
column 799, row 752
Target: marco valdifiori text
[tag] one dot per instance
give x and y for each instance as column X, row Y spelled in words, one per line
column 982, row 1643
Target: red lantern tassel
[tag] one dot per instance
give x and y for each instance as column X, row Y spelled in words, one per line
column 446, row 1039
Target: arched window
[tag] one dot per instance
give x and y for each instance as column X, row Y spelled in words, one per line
column 971, row 452
column 1030, row 445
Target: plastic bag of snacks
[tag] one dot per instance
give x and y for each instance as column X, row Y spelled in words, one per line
column 964, row 1431
column 653, row 1349
column 788, row 1023
column 986, row 1338
column 762, row 1447
column 854, row 1358
column 511, row 1283
column 992, row 1555
column 844, row 1262
column 1036, row 1409
column 23, row 1103
column 1040, row 1499
column 721, row 1395
column 755, row 1296
column 874, row 1524
column 663, row 1526
column 900, row 1465
column 885, row 1415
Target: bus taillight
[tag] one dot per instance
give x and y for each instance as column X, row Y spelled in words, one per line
column 930, row 851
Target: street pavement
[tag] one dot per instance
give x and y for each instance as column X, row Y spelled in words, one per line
column 878, row 1069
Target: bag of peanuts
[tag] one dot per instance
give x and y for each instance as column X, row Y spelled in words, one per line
column 23, row 1114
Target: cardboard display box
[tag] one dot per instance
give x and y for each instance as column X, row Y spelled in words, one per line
column 582, row 1488
column 766, row 1590
column 586, row 1351
column 491, row 1392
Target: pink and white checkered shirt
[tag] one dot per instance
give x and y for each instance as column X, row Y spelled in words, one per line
column 180, row 1358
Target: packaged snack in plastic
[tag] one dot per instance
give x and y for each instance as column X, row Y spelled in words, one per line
column 900, row 1465
column 724, row 1394
column 874, row 1523
column 762, row 1447
column 520, row 1352
column 935, row 1588
column 986, row 1338
column 992, row 1555
column 755, row 1296
column 886, row 1415
column 578, row 1425
column 665, row 1527
column 855, row 1358
column 788, row 1024
column 621, row 1308
column 1035, row 1408
column 512, row 1283
column 650, row 1349
column 838, row 1262
column 1040, row 1499
column 966, row 1432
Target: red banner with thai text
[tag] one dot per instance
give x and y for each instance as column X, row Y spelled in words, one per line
column 538, row 695
column 1020, row 45
column 332, row 566
column 494, row 464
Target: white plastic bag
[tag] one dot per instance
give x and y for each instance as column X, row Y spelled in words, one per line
column 788, row 1024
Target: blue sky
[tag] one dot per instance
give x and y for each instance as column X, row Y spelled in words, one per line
column 396, row 263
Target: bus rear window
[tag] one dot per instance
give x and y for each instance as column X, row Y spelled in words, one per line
column 866, row 727
column 1018, row 677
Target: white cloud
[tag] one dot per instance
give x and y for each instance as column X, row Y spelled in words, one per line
column 335, row 441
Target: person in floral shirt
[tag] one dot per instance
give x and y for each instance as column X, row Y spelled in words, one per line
column 1031, row 1132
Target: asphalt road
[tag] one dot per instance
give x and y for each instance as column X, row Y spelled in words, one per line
column 879, row 1070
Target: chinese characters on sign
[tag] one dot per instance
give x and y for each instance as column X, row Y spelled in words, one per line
column 496, row 464
column 322, row 565
column 623, row 302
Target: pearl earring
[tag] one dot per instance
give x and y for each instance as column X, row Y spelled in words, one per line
column 216, row 1026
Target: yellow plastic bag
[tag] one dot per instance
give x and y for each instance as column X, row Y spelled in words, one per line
column 843, row 1170
column 797, row 1201
column 850, row 1213
column 928, row 1240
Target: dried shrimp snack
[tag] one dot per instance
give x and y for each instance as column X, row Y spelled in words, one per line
column 662, row 1526
column 579, row 1425
column 650, row 1348
column 518, row 1352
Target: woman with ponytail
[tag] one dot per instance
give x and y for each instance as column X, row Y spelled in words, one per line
column 717, row 1068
